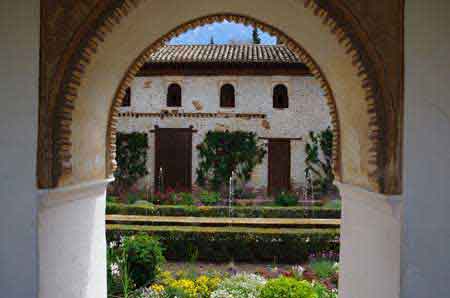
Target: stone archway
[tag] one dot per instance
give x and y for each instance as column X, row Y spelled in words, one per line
column 366, row 162
column 143, row 57
column 105, row 61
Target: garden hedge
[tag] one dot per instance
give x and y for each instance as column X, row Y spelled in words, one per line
column 222, row 211
column 213, row 245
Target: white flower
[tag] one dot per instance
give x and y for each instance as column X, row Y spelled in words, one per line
column 115, row 269
column 298, row 270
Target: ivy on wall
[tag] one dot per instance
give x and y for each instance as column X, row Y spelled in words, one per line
column 131, row 159
column 319, row 151
column 221, row 153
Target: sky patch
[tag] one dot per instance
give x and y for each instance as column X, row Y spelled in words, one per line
column 222, row 33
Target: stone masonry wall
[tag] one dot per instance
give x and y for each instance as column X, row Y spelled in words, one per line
column 307, row 111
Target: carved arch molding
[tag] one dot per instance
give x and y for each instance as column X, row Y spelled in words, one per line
column 370, row 30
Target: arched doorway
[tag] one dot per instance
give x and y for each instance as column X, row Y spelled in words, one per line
column 98, row 78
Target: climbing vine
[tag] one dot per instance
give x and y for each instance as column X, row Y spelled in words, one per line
column 221, row 153
column 131, row 159
column 319, row 150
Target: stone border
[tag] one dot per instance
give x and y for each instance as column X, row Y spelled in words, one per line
column 62, row 137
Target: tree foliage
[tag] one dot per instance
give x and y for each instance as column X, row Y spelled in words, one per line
column 221, row 153
column 255, row 36
column 319, row 151
column 131, row 158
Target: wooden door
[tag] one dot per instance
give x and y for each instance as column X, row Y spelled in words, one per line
column 279, row 165
column 173, row 155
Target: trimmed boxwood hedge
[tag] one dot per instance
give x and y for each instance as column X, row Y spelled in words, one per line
column 222, row 211
column 211, row 246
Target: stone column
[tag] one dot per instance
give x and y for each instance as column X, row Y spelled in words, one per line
column 72, row 244
column 370, row 244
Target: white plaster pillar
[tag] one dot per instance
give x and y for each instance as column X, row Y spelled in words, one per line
column 19, row 96
column 72, row 244
column 370, row 244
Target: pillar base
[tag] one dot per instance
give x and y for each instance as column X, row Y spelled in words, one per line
column 370, row 244
column 72, row 244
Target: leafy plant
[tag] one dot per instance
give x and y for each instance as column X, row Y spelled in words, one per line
column 118, row 274
column 185, row 198
column 323, row 292
column 286, row 199
column 333, row 204
column 133, row 198
column 319, row 151
column 209, row 197
column 131, row 159
column 111, row 199
column 221, row 153
column 145, row 256
column 323, row 268
column 114, row 285
column 244, row 193
column 285, row 287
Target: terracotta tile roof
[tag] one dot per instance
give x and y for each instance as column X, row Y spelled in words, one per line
column 240, row 54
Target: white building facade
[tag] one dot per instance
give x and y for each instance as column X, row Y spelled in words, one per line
column 199, row 107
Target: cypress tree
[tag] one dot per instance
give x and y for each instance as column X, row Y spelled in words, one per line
column 255, row 36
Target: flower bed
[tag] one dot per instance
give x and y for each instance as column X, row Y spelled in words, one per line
column 241, row 285
column 135, row 271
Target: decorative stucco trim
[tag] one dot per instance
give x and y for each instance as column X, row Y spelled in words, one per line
column 62, row 136
column 176, row 114
column 49, row 198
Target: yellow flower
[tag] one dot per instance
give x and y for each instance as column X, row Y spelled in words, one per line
column 206, row 285
column 187, row 285
column 166, row 277
column 157, row 288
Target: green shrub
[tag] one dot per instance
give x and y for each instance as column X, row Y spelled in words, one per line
column 323, row 292
column 209, row 197
column 224, row 152
column 286, row 199
column 284, row 287
column 222, row 211
column 323, row 268
column 333, row 204
column 133, row 198
column 251, row 246
column 145, row 256
column 240, row 286
column 112, row 199
column 185, row 198
column 142, row 203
